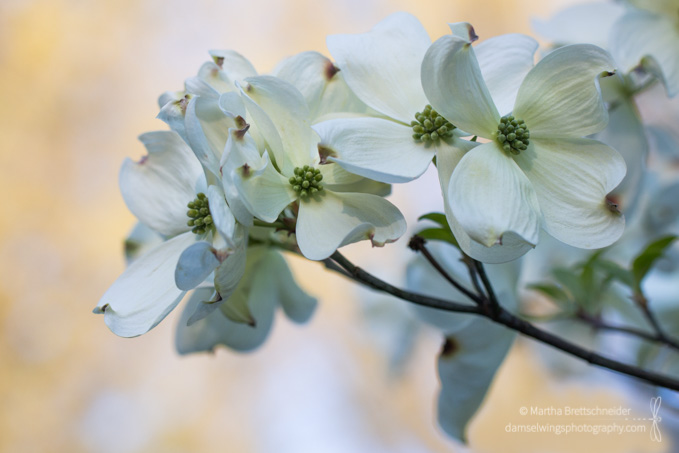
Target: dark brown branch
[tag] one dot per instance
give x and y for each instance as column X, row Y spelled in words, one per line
column 542, row 336
column 502, row 316
column 600, row 324
column 642, row 303
column 370, row 280
column 418, row 244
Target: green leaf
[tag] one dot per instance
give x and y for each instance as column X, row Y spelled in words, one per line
column 613, row 271
column 436, row 217
column 573, row 284
column 438, row 234
column 554, row 292
column 237, row 309
column 645, row 260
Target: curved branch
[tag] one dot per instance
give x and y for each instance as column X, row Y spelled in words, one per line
column 600, row 324
column 365, row 278
column 502, row 316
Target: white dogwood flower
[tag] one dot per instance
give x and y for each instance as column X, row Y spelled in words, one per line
column 383, row 68
column 648, row 35
column 293, row 171
column 592, row 23
column 536, row 170
column 266, row 284
column 168, row 193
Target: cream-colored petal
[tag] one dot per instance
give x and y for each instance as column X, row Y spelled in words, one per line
column 283, row 118
column 375, row 148
column 382, row 66
column 331, row 220
column 642, row 35
column 158, row 187
column 490, row 196
column 504, row 61
column 453, row 82
column 560, row 96
column 146, row 292
column 264, row 191
column 572, row 178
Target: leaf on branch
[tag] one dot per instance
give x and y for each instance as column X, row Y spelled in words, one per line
column 444, row 233
column 436, row 217
column 647, row 258
column 614, row 271
column 438, row 234
column 572, row 283
column 554, row 292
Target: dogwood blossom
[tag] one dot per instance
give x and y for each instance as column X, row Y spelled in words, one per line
column 382, row 67
column 245, row 321
column 648, row 36
column 202, row 239
column 535, row 171
column 294, row 172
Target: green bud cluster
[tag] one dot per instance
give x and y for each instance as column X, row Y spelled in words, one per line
column 307, row 181
column 430, row 126
column 199, row 214
column 513, row 134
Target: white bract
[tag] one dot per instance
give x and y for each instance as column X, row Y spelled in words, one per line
column 640, row 35
column 593, row 23
column 585, row 23
column 294, row 172
column 157, row 190
column 648, row 36
column 382, row 67
column 321, row 83
column 536, row 170
column 244, row 322
column 474, row 347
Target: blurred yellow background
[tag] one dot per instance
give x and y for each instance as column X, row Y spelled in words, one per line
column 80, row 81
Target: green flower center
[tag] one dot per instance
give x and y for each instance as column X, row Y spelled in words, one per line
column 430, row 126
column 199, row 214
column 512, row 134
column 307, row 181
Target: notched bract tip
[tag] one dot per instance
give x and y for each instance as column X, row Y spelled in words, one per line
column 324, row 152
column 330, row 70
column 243, row 128
column 219, row 61
column 464, row 30
column 472, row 33
column 450, row 348
column 612, row 205
column 245, row 170
column 183, row 103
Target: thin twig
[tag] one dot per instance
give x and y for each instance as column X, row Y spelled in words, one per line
column 542, row 336
column 418, row 244
column 333, row 266
column 370, row 280
column 473, row 274
column 502, row 316
column 492, row 301
column 600, row 324
column 642, row 303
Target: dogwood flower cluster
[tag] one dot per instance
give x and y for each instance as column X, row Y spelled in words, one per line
column 309, row 152
column 300, row 160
